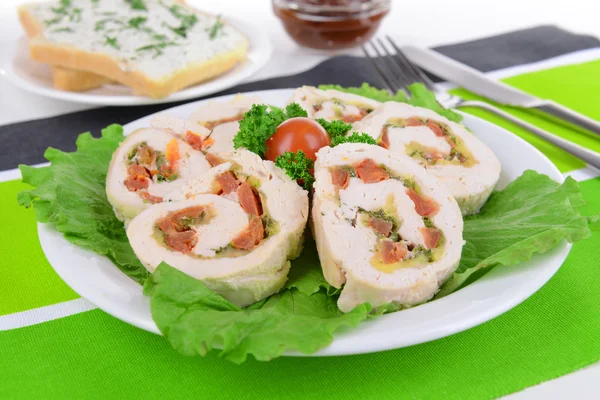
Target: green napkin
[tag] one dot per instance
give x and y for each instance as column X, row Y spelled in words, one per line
column 92, row 355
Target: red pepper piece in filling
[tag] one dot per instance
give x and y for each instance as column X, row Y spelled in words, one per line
column 213, row 160
column 352, row 118
column 340, row 178
column 437, row 130
column 414, row 121
column 136, row 182
column 194, row 140
column 251, row 236
column 381, row 225
column 249, row 200
column 179, row 236
column 392, row 252
column 228, row 182
column 424, row 206
column 370, row 172
column 138, row 178
column 183, row 242
column 150, row 198
column 431, row 237
column 385, row 140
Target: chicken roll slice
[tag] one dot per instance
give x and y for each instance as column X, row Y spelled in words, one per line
column 386, row 231
column 212, row 127
column 333, row 104
column 149, row 164
column 252, row 225
column 460, row 161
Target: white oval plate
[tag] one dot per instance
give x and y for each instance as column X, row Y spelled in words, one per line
column 36, row 77
column 95, row 278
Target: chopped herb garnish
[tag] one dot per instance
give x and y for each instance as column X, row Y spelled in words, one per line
column 217, row 27
column 112, row 42
column 75, row 15
column 137, row 4
column 271, row 226
column 64, row 4
column 163, row 178
column 136, row 22
column 52, row 21
column 187, row 222
column 187, row 20
column 101, row 24
column 62, row 30
column 156, row 47
column 351, row 171
column 427, row 222
column 181, row 31
column 426, row 252
column 409, row 183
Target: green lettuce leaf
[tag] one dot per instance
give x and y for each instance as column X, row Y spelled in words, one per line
column 531, row 215
column 70, row 194
column 195, row 320
column 369, row 91
column 420, row 96
column 306, row 274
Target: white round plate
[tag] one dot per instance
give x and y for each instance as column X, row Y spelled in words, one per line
column 37, row 78
column 95, row 278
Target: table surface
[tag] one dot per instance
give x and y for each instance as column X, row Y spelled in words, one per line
column 455, row 21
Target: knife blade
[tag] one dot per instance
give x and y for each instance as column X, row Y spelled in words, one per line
column 477, row 82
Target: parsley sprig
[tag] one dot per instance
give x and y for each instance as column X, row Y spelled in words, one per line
column 354, row 138
column 298, row 167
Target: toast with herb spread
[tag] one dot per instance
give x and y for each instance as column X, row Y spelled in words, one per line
column 154, row 46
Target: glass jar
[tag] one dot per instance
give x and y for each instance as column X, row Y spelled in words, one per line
column 331, row 24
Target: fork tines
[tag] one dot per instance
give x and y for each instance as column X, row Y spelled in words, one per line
column 392, row 65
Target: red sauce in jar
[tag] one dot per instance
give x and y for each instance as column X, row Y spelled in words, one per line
column 331, row 24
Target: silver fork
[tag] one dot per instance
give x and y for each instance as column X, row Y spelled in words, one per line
column 398, row 72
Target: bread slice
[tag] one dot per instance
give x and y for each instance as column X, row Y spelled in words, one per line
column 154, row 46
column 76, row 81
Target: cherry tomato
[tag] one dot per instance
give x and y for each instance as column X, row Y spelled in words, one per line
column 297, row 134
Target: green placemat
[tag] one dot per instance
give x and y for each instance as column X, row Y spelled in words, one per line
column 92, row 355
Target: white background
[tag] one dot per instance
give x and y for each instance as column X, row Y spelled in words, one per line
column 419, row 22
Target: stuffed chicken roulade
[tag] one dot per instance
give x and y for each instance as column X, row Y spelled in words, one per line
column 235, row 228
column 212, row 127
column 460, row 161
column 149, row 164
column 386, row 231
column 333, row 104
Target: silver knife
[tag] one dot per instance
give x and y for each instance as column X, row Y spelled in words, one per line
column 475, row 81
